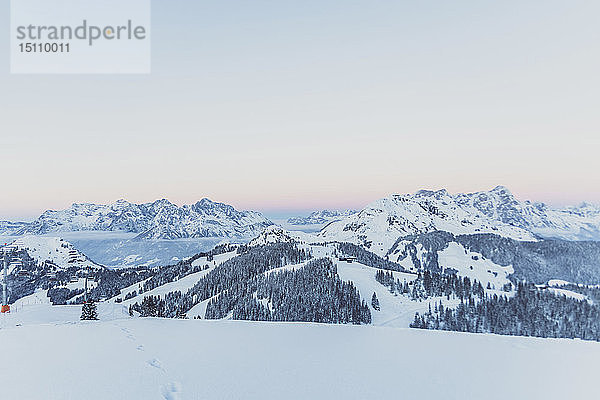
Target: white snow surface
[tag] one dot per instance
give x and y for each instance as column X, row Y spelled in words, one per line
column 557, row 282
column 51, row 355
column 474, row 265
column 395, row 310
column 568, row 293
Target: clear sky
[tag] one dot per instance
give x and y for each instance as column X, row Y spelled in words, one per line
column 295, row 105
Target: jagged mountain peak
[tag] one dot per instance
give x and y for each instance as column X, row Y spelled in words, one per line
column 206, row 201
column 121, row 203
column 163, row 203
column 431, row 193
column 208, row 204
column 501, row 189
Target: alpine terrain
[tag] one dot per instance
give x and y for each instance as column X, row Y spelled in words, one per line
column 157, row 220
column 481, row 263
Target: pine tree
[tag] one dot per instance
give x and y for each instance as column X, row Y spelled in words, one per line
column 375, row 302
column 88, row 311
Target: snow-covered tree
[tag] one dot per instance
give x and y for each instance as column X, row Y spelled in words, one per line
column 88, row 311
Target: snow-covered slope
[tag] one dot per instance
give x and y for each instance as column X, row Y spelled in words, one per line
column 396, row 310
column 498, row 257
column 321, row 217
column 158, row 220
column 381, row 223
column 59, row 252
column 182, row 284
column 451, row 257
column 119, row 358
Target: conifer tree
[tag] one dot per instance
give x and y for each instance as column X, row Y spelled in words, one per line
column 88, row 311
column 375, row 302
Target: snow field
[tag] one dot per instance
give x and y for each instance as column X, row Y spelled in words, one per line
column 190, row 359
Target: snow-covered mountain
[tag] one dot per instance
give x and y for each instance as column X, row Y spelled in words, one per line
column 157, row 220
column 8, row 227
column 276, row 234
column 321, row 217
column 486, row 257
column 53, row 250
column 382, row 222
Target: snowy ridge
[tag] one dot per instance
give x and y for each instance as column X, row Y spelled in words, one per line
column 382, row 222
column 276, row 234
column 157, row 220
column 321, row 217
column 273, row 234
column 59, row 252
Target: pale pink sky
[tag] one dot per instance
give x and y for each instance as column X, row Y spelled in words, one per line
column 303, row 105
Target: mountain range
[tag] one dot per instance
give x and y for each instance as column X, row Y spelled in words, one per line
column 320, row 217
column 377, row 227
column 380, row 224
column 160, row 219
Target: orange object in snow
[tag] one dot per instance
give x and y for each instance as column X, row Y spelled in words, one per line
column 5, row 308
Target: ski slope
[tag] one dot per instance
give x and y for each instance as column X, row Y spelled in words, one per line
column 474, row 265
column 53, row 356
column 395, row 310
column 183, row 285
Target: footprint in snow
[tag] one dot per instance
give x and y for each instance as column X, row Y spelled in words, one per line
column 171, row 391
column 140, row 347
column 154, row 363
